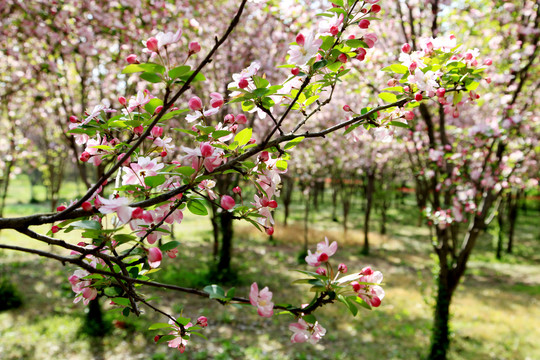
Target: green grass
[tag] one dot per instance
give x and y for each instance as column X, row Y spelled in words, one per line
column 493, row 310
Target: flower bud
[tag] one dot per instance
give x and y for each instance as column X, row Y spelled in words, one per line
column 158, row 109
column 342, row 268
column 346, row 108
column 152, row 44
column 241, row 119
column 243, row 83
column 321, row 271
column 202, row 321
column 488, row 62
column 73, row 119
column 163, row 153
column 122, row 100
column 228, row 119
column 227, row 202
column 138, row 130
column 418, row 97
column 237, row 190
column 137, row 213
column 441, row 91
column 157, row 131
column 55, row 229
column 364, row 24
column 264, row 156
column 334, row 30
column 132, row 59
column 269, row 231
column 61, row 208
column 86, row 206
column 194, row 47
column 406, row 48
column 375, row 8
column 295, row 71
column 272, row 204
column 300, row 39
column 343, row 58
column 413, row 67
column 195, row 103
column 85, row 156
column 409, row 115
column 367, row 271
column 206, row 149
column 356, row 286
column 154, row 255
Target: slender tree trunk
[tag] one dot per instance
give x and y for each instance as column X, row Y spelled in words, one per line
column 369, row 204
column 215, row 231
column 512, row 217
column 226, row 222
column 440, row 337
column 499, row 233
column 5, row 185
column 306, row 221
column 383, row 215
column 288, row 183
column 335, row 192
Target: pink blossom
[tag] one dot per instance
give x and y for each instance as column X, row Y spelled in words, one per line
column 194, row 47
column 136, row 172
column 301, row 54
column 303, row 331
column 154, row 257
column 227, row 202
column 216, row 100
column 371, row 294
column 162, row 39
column 82, row 287
column 262, row 300
column 172, row 253
column 195, row 103
column 370, row 39
column 323, row 252
column 119, row 205
column 202, row 321
column 179, row 342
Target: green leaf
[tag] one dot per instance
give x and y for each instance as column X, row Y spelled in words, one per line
column 281, row 165
column 156, row 326
column 293, row 143
column 260, row 82
column 328, row 42
column 198, row 334
column 123, row 238
column 215, row 292
column 169, row 246
column 154, row 181
column 388, row 97
column 166, row 338
column 151, row 106
column 355, row 43
column 198, row 77
column 310, row 318
column 320, row 64
column 185, row 170
column 86, row 224
column 458, row 97
column 151, row 77
column 362, row 303
column 197, row 207
column 472, row 86
column 178, row 71
column 148, row 67
column 399, row 124
column 337, row 2
column 113, row 291
column 121, row 301
column 220, row 133
column 243, row 136
column 172, row 114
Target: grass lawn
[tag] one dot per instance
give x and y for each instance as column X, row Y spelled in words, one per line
column 496, row 309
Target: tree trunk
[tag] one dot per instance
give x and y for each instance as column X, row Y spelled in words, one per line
column 287, row 191
column 383, row 215
column 440, row 336
column 226, row 222
column 215, row 230
column 369, row 204
column 306, row 222
column 335, row 192
column 512, row 217
column 499, row 234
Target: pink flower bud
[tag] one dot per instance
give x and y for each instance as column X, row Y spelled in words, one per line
column 85, row 156
column 156, row 131
column 392, row 82
column 152, row 44
column 206, row 149
column 172, row 253
column 73, row 119
column 138, row 130
column 441, row 91
column 406, row 48
column 154, row 255
column 194, row 47
column 163, row 153
column 132, row 59
column 157, row 337
column 418, row 97
column 343, row 58
column 55, row 229
column 342, row 268
column 237, row 190
column 334, row 30
column 346, row 108
column 147, row 217
column 269, row 231
column 323, row 257
column 409, row 115
column 321, row 271
column 264, row 156
column 61, row 208
column 375, row 8
column 202, row 321
column 351, row 37
column 295, row 71
column 227, row 202
column 356, row 286
column 367, row 271
column 241, row 119
column 406, row 89
column 375, row 301
column 158, row 109
column 228, row 119
column 364, row 24
column 468, row 56
column 413, row 67
column 137, row 213
column 216, row 100
column 122, row 100
column 86, row 206
column 243, row 83
column 252, row 141
column 272, row 204
column 195, row 103
column 300, row 39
